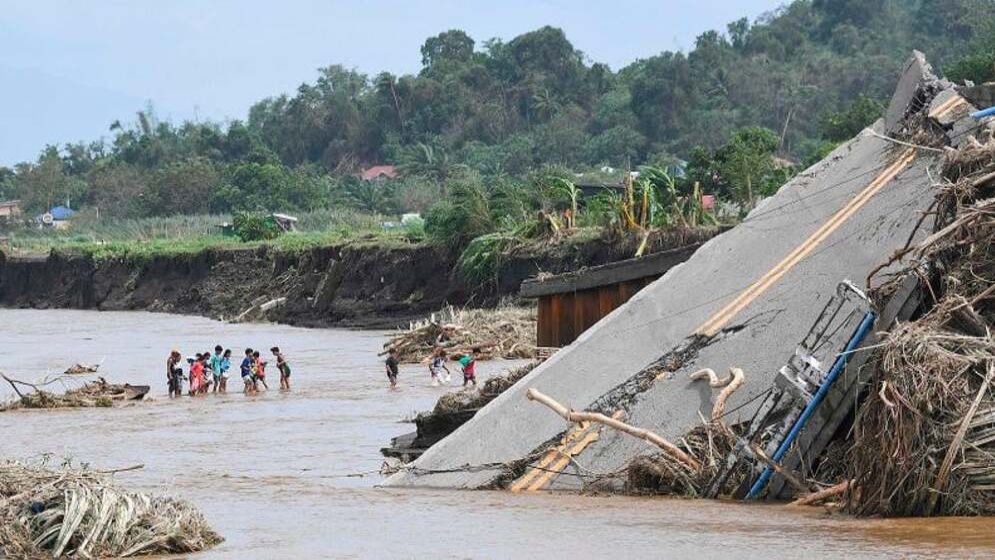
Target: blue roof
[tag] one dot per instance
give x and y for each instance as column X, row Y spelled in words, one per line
column 61, row 213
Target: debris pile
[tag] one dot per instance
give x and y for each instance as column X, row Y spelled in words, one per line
column 99, row 393
column 82, row 369
column 682, row 469
column 504, row 332
column 451, row 411
column 79, row 513
column 924, row 440
column 457, row 401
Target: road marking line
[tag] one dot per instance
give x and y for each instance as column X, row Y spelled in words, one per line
column 947, row 106
column 715, row 323
column 546, row 474
column 550, row 456
column 558, row 467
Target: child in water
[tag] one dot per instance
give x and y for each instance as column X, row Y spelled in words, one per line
column 283, row 367
column 246, row 370
column 260, row 370
column 225, row 366
column 469, row 365
column 215, row 364
column 205, row 387
column 391, row 365
column 437, row 366
column 196, row 374
column 174, row 374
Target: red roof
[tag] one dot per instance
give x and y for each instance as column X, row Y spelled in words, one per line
column 378, row 171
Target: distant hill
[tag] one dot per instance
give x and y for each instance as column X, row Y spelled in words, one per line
column 812, row 72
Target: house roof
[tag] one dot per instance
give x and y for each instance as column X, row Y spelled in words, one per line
column 380, row 171
column 10, row 203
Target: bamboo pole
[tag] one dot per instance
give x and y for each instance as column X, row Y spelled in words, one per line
column 821, row 495
column 646, row 435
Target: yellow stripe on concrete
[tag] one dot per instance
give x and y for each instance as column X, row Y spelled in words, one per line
column 550, row 456
column 947, row 106
column 541, row 474
column 719, row 320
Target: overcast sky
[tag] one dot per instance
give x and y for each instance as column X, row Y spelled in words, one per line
column 69, row 68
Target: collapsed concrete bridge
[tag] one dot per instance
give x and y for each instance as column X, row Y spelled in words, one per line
column 743, row 300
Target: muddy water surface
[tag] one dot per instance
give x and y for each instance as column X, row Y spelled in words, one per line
column 270, row 471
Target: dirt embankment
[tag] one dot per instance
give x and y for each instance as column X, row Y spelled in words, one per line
column 335, row 285
column 352, row 284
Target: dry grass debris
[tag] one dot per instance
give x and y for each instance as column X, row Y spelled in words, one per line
column 79, row 513
column 503, row 332
column 924, row 439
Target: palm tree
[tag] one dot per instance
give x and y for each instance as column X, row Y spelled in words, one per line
column 427, row 161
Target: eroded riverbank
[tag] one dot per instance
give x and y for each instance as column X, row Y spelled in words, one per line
column 269, row 471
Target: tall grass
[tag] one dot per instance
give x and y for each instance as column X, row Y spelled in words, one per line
column 191, row 233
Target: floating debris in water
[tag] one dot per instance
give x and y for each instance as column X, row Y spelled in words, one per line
column 78, row 513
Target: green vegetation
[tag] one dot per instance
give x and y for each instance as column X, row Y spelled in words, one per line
column 979, row 64
column 143, row 237
column 496, row 139
column 255, row 226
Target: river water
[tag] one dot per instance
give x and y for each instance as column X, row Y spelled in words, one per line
column 270, row 472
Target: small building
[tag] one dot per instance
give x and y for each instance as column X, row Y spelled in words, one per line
column 58, row 217
column 285, row 222
column 10, row 209
column 573, row 302
column 379, row 173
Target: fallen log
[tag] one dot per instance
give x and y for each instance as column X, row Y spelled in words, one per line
column 730, row 385
column 646, row 435
column 816, row 497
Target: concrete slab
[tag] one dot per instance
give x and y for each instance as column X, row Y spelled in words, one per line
column 915, row 74
column 775, row 323
column 948, row 107
column 662, row 317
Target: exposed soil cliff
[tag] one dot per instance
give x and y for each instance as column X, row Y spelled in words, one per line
column 359, row 284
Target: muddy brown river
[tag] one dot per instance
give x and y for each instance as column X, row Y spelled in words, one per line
column 271, row 472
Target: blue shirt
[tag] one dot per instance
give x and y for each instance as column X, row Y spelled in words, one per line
column 216, row 363
column 246, row 367
column 225, row 364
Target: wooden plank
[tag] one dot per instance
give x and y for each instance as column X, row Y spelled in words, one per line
column 545, row 322
column 607, row 300
column 590, row 308
column 555, row 319
column 566, row 322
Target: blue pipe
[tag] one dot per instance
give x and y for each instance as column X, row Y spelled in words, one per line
column 984, row 113
column 820, row 395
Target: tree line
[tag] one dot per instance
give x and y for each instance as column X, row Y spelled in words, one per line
column 791, row 84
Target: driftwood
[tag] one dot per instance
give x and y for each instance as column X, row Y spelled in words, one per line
column 646, row 435
column 82, row 369
column 97, row 393
column 730, row 385
column 816, row 497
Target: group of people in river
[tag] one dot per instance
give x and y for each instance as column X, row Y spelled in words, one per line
column 208, row 372
column 437, row 367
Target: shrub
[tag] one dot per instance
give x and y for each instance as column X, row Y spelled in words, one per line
column 254, row 226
